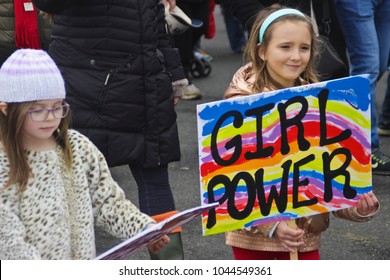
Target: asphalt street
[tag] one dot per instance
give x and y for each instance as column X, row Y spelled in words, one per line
column 344, row 240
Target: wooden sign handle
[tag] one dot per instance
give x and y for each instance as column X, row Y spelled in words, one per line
column 293, row 255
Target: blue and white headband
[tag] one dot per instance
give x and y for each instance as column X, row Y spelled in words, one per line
column 275, row 15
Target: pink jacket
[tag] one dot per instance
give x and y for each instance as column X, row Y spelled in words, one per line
column 241, row 83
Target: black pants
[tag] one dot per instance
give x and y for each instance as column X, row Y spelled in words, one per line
column 186, row 41
column 154, row 191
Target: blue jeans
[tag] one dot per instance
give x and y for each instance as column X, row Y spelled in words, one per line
column 154, row 191
column 366, row 28
column 235, row 31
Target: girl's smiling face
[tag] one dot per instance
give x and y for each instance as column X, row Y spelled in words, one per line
column 288, row 51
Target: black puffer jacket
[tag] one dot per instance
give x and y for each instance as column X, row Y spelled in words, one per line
column 118, row 64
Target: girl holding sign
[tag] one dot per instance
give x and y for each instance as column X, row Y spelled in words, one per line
column 282, row 48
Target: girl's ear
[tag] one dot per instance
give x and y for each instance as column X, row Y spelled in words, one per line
column 3, row 108
column 261, row 52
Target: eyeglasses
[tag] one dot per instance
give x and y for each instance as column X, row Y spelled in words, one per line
column 39, row 115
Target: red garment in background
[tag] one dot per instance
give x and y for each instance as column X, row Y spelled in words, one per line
column 211, row 30
column 26, row 25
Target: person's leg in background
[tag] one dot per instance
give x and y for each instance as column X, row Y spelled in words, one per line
column 384, row 117
column 235, row 31
column 156, row 199
column 186, row 41
column 365, row 26
column 382, row 24
column 384, row 41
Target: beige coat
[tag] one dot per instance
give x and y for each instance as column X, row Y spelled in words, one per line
column 54, row 218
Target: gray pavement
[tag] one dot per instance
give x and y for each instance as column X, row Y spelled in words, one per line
column 342, row 241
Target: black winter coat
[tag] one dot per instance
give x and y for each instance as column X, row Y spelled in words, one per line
column 119, row 64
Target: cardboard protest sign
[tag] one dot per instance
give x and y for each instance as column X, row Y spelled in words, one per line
column 284, row 154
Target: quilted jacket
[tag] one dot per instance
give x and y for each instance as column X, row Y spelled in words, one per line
column 119, row 64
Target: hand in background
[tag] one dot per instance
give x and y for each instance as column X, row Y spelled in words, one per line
column 172, row 4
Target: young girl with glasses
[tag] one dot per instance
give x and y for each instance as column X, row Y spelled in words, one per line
column 281, row 51
column 55, row 185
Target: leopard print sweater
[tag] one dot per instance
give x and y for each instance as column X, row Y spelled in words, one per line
column 54, row 217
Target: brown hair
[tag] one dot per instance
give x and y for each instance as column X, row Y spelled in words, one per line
column 263, row 79
column 11, row 132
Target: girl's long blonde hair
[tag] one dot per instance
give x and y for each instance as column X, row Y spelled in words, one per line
column 263, row 79
column 11, row 137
